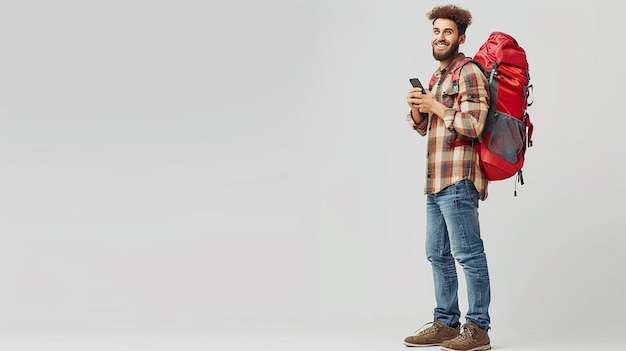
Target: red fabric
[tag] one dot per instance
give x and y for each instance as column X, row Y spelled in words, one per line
column 501, row 47
column 505, row 62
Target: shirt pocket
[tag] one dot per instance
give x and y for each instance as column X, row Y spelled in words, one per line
column 449, row 96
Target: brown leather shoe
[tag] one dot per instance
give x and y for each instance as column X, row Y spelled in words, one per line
column 472, row 338
column 434, row 335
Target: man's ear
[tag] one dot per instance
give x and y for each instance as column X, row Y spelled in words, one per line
column 462, row 39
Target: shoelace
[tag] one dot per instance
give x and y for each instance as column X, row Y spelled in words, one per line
column 466, row 333
column 421, row 330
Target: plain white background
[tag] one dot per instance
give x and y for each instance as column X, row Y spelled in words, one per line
column 215, row 174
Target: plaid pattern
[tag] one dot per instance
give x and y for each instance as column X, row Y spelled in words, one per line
column 468, row 104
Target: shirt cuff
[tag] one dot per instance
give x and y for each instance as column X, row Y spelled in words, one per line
column 416, row 126
column 412, row 123
column 448, row 118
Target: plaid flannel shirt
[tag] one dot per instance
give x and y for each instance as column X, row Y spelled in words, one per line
column 464, row 119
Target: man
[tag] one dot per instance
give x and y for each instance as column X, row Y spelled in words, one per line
column 454, row 185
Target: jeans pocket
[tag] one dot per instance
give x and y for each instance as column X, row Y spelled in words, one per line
column 472, row 193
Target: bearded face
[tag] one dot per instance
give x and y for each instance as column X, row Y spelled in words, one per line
column 446, row 39
column 444, row 50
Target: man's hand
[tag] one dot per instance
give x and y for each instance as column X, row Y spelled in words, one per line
column 414, row 99
column 424, row 103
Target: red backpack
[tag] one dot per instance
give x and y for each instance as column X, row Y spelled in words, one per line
column 508, row 130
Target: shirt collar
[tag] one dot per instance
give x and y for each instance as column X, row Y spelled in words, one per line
column 459, row 57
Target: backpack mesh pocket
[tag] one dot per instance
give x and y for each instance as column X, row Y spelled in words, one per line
column 507, row 138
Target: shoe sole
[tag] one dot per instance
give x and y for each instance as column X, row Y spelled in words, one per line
column 478, row 348
column 419, row 345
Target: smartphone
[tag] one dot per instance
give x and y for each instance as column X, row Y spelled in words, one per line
column 416, row 84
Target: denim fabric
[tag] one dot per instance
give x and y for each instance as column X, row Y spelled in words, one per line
column 453, row 232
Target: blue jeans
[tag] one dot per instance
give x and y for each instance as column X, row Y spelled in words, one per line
column 453, row 232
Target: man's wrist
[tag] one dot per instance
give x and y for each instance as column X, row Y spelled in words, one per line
column 413, row 117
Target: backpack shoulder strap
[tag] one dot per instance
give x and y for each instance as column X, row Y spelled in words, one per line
column 456, row 75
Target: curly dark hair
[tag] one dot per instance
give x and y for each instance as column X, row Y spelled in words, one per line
column 460, row 16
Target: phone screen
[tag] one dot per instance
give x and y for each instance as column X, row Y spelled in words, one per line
column 416, row 83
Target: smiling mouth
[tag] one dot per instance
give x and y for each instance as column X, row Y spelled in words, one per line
column 441, row 46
